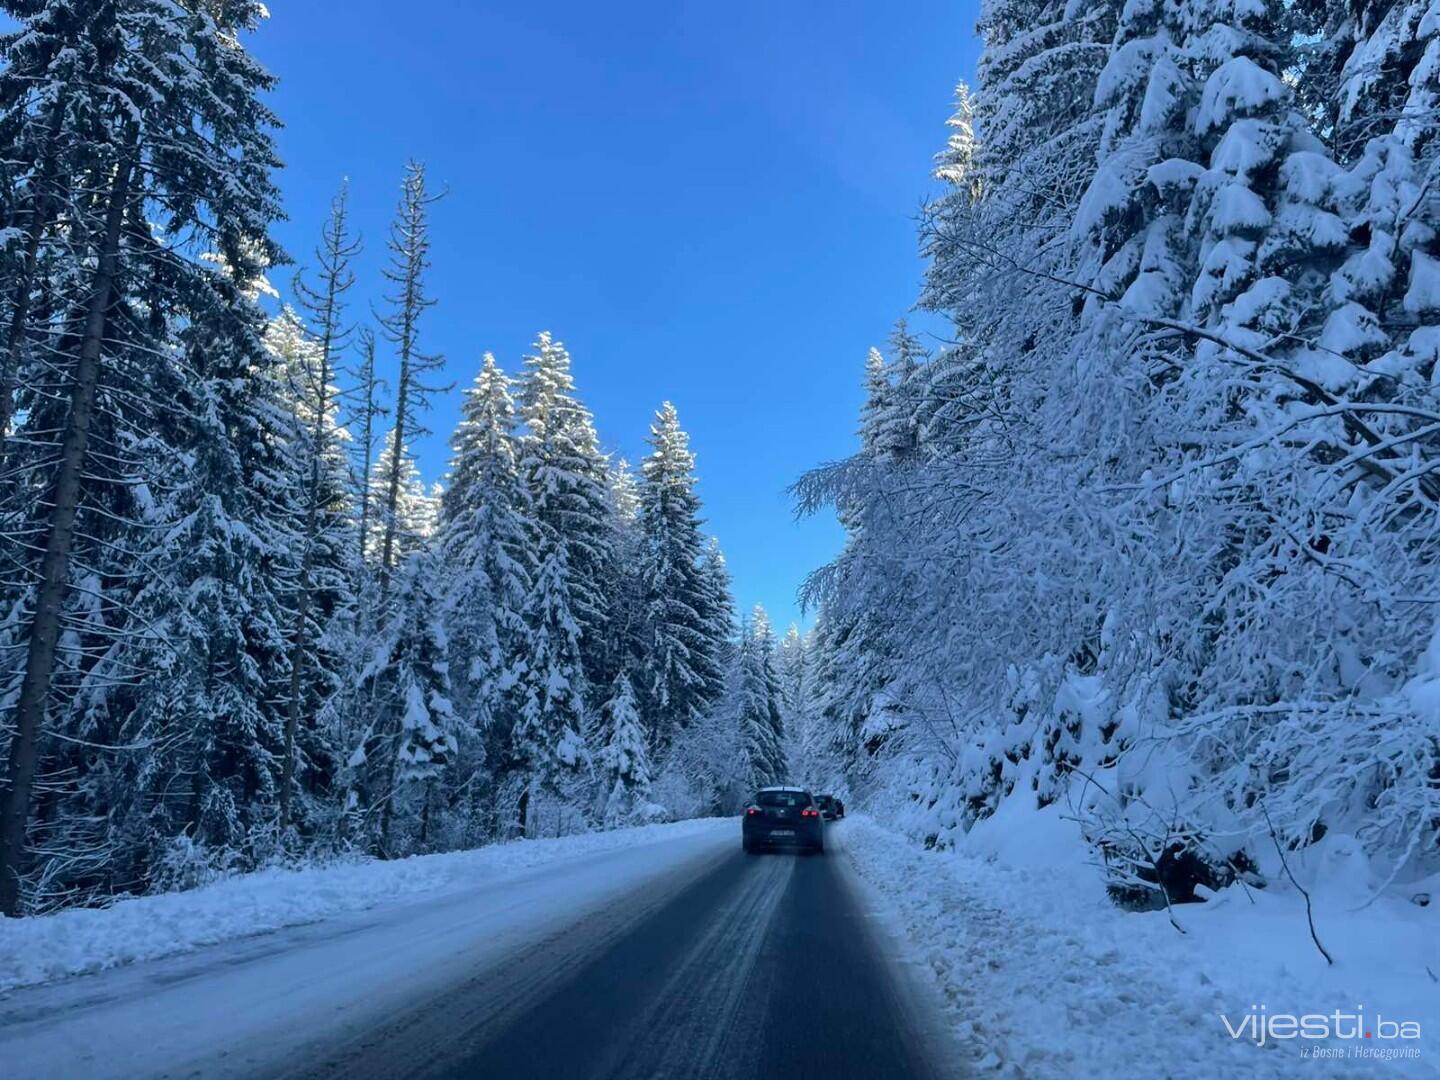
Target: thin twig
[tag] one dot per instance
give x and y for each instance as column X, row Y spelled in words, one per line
column 1309, row 908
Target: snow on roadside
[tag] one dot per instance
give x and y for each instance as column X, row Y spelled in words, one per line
column 42, row 948
column 1046, row 978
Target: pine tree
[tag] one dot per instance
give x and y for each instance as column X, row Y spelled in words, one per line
column 192, row 116
column 879, row 395
column 717, row 618
column 678, row 658
column 957, row 164
column 484, row 541
column 762, row 726
column 626, row 589
column 623, row 759
column 410, row 512
column 547, row 740
column 202, row 672
column 567, row 482
column 792, row 675
column 412, row 737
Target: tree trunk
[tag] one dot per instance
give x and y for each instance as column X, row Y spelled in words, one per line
column 50, row 596
column 367, row 444
column 387, row 811
column 522, row 811
column 297, row 671
column 425, row 817
column 392, row 485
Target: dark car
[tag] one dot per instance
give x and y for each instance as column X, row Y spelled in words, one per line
column 782, row 817
column 830, row 807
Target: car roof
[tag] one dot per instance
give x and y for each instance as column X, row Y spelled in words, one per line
column 784, row 787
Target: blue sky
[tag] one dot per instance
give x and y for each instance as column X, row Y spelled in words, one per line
column 709, row 203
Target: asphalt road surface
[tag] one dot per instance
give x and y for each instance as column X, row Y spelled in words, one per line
column 728, row 966
column 763, row 967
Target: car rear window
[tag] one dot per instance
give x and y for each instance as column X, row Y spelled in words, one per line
column 782, row 798
column 824, row 800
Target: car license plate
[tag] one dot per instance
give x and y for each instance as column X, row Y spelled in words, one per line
column 782, row 832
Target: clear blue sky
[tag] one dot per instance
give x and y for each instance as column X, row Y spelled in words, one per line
column 711, row 203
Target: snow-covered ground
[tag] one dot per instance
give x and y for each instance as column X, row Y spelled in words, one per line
column 38, row 950
column 264, row 1001
column 1038, row 973
column 1045, row 978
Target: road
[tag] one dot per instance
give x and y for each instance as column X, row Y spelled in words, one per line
column 705, row 962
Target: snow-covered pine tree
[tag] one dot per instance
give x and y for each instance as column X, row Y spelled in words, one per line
column 717, row 611
column 792, row 675
column 678, row 662
column 878, row 395
column 35, row 181
column 484, row 544
column 623, row 758
column 625, row 496
column 762, row 725
column 627, row 590
column 1224, row 221
column 188, row 151
column 547, row 741
column 957, row 164
column 566, row 479
column 199, row 679
column 856, row 594
column 412, row 738
column 410, row 513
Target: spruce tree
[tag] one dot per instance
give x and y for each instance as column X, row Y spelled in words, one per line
column 762, row 726
column 485, row 544
column 412, row 738
column 717, row 619
column 567, row 484
column 623, row 759
column 627, row 586
column 678, row 658
column 162, row 125
column 410, row 512
column 547, row 740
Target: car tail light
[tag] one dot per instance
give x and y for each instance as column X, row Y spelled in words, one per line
column 752, row 811
column 809, row 811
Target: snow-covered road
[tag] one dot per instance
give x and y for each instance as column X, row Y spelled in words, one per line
column 675, row 956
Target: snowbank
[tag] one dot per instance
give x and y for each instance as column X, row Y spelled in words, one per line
column 1046, row 978
column 39, row 949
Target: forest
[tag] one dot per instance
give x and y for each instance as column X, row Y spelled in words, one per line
column 1147, row 531
column 238, row 630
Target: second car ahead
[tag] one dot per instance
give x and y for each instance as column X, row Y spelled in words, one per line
column 830, row 807
column 782, row 817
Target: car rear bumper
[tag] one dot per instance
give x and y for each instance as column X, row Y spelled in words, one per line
column 784, row 836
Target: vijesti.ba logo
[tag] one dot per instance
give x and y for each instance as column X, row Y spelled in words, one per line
column 1261, row 1026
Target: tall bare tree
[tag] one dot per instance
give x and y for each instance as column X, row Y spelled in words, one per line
column 317, row 395
column 409, row 246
